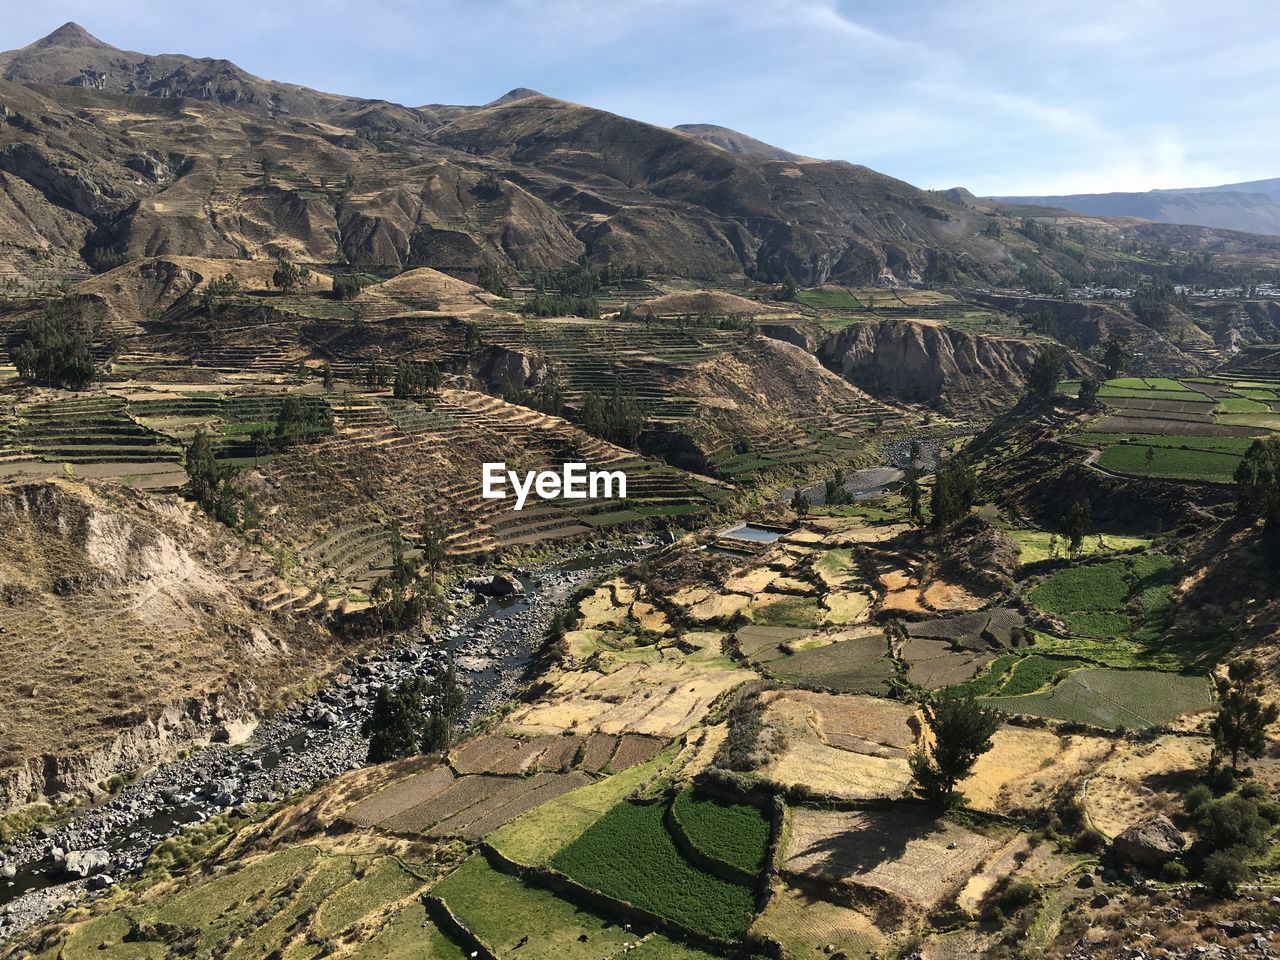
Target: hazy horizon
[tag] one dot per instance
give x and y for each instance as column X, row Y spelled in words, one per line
column 1048, row 99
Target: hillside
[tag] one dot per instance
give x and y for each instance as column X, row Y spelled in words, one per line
column 1252, row 207
column 197, row 157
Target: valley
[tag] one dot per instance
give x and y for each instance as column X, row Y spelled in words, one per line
column 936, row 618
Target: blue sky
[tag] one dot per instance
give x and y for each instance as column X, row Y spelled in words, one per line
column 1001, row 96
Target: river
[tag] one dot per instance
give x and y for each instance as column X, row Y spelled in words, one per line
column 494, row 642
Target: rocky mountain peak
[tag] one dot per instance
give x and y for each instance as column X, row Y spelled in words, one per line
column 69, row 35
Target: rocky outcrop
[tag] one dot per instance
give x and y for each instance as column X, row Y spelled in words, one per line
column 151, row 740
column 914, row 361
column 980, row 555
column 1150, row 843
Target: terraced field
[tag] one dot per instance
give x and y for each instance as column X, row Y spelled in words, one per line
column 300, row 895
column 629, row 854
column 1192, row 429
column 1114, row 699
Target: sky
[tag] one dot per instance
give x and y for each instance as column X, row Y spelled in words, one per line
column 1005, row 97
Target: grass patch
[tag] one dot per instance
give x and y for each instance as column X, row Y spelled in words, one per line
column 1034, row 544
column 502, row 912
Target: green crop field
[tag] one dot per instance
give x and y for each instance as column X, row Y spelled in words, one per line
column 534, row 837
column 1103, row 697
column 733, row 833
column 829, row 298
column 514, row 919
column 1033, row 672
column 628, row 854
column 1170, row 463
column 1100, row 586
column 1241, row 405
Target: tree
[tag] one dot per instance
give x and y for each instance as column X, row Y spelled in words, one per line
column 962, row 729
column 788, row 290
column 913, row 494
column 447, row 700
column 617, row 417
column 488, row 187
column 800, row 503
column 1240, row 726
column 212, row 483
column 1089, row 388
column 1257, row 478
column 1075, row 524
column 202, row 469
column 954, row 490
column 1045, row 374
column 491, row 280
column 432, row 545
column 347, row 286
column 1115, row 356
column 55, row 351
column 297, row 419
column 288, row 276
column 413, row 381
column 217, row 291
column 390, row 727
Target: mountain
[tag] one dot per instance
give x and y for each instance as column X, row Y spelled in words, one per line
column 108, row 155
column 1253, row 207
column 736, row 142
column 574, row 181
column 72, row 56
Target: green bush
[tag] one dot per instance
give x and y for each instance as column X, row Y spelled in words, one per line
column 1224, row 871
column 1173, row 872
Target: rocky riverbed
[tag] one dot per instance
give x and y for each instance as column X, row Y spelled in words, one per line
column 493, row 639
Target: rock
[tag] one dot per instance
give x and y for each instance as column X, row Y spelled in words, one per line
column 8, row 871
column 499, row 585
column 101, row 881
column 1086, row 881
column 1150, row 843
column 84, row 863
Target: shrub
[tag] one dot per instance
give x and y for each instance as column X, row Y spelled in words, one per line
column 347, row 286
column 1173, row 872
column 1224, row 871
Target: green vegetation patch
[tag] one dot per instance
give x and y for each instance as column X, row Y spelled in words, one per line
column 829, row 298
column 409, row 935
column 733, row 833
column 1170, row 463
column 856, row 665
column 1099, row 586
column 534, row 837
column 299, row 898
column 628, row 854
column 1116, row 699
column 514, row 919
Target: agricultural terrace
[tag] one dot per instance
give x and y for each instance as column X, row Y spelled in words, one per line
column 492, row 780
column 840, row 306
column 1188, row 429
column 300, row 894
column 734, row 834
column 630, row 854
